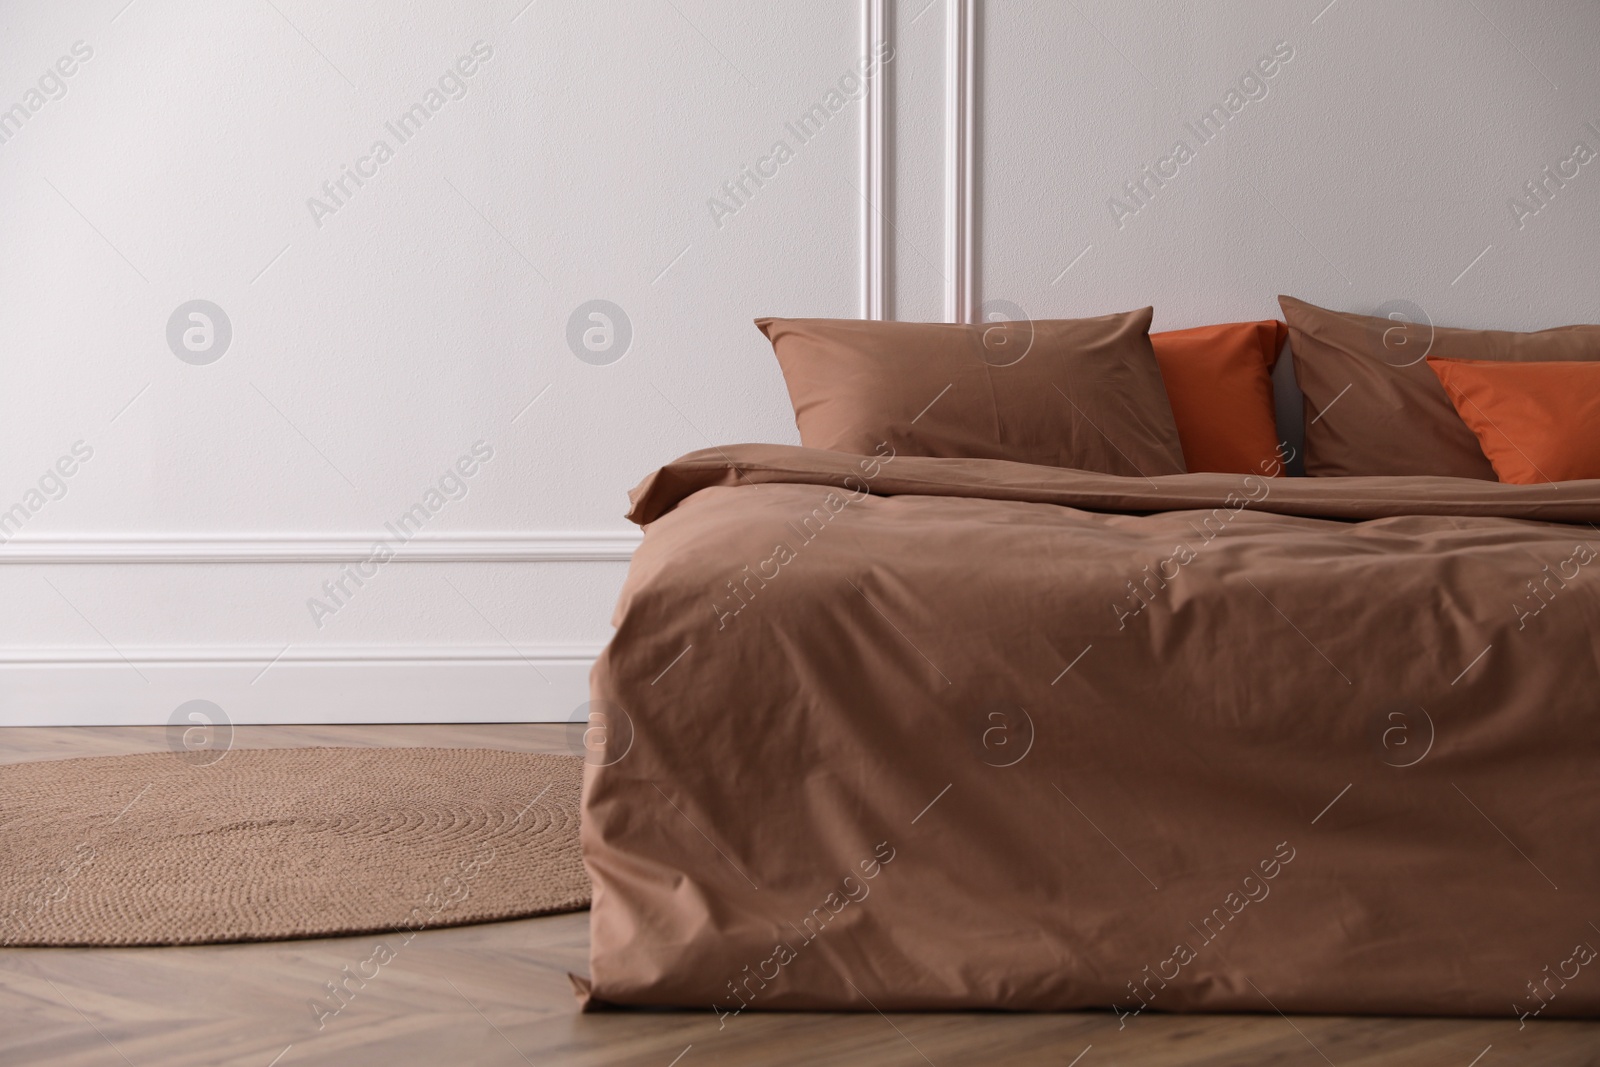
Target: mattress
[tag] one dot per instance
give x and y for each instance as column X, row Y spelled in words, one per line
column 899, row 733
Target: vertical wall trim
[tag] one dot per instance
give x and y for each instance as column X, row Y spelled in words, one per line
column 874, row 163
column 960, row 79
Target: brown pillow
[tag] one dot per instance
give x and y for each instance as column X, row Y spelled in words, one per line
column 1084, row 393
column 1374, row 407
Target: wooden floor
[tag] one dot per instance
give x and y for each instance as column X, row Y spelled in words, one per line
column 498, row 994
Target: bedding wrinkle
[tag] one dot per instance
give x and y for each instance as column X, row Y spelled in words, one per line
column 1046, row 692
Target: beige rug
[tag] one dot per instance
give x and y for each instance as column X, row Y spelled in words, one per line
column 157, row 849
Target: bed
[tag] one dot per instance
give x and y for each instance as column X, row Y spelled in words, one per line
column 896, row 732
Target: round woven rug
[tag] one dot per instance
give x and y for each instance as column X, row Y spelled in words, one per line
column 268, row 844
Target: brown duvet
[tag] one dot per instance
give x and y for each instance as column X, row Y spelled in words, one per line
column 914, row 733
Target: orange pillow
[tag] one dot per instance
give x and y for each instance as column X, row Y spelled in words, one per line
column 1219, row 382
column 1537, row 422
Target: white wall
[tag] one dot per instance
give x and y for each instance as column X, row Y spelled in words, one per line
column 373, row 346
column 1377, row 167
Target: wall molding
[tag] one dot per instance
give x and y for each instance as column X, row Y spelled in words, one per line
column 960, row 135
column 125, row 656
column 875, row 134
column 530, row 547
column 99, row 686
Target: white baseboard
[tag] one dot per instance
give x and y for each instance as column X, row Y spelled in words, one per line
column 100, row 686
column 400, row 684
